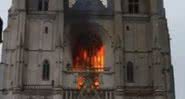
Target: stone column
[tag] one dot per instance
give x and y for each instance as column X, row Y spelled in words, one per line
column 66, row 93
column 106, row 95
column 154, row 7
column 59, row 42
column 19, row 4
column 16, row 96
column 118, row 31
column 21, row 25
column 118, row 95
column 110, row 95
column 159, row 97
column 118, row 49
column 57, row 96
column 158, row 77
column 71, row 95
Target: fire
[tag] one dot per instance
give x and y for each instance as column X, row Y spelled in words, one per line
column 88, row 55
column 87, row 59
column 92, row 59
column 80, row 83
column 97, row 84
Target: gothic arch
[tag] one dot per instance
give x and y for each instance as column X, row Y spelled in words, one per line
column 87, row 35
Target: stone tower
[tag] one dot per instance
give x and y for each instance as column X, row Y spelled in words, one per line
column 87, row 49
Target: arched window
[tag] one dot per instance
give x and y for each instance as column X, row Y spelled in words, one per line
column 46, row 5
column 46, row 70
column 40, row 5
column 43, row 5
column 130, row 72
column 133, row 6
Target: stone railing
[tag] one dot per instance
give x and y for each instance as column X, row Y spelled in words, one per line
column 77, row 94
column 38, row 86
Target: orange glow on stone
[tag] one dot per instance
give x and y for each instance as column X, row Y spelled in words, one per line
column 80, row 82
column 89, row 60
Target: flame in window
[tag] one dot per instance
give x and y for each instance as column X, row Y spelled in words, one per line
column 91, row 59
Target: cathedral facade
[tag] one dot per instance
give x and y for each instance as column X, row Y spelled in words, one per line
column 87, row 49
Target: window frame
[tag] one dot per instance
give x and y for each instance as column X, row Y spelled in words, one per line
column 133, row 6
column 130, row 72
column 43, row 5
column 46, row 70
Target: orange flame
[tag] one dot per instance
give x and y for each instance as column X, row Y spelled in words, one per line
column 89, row 59
column 80, row 82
